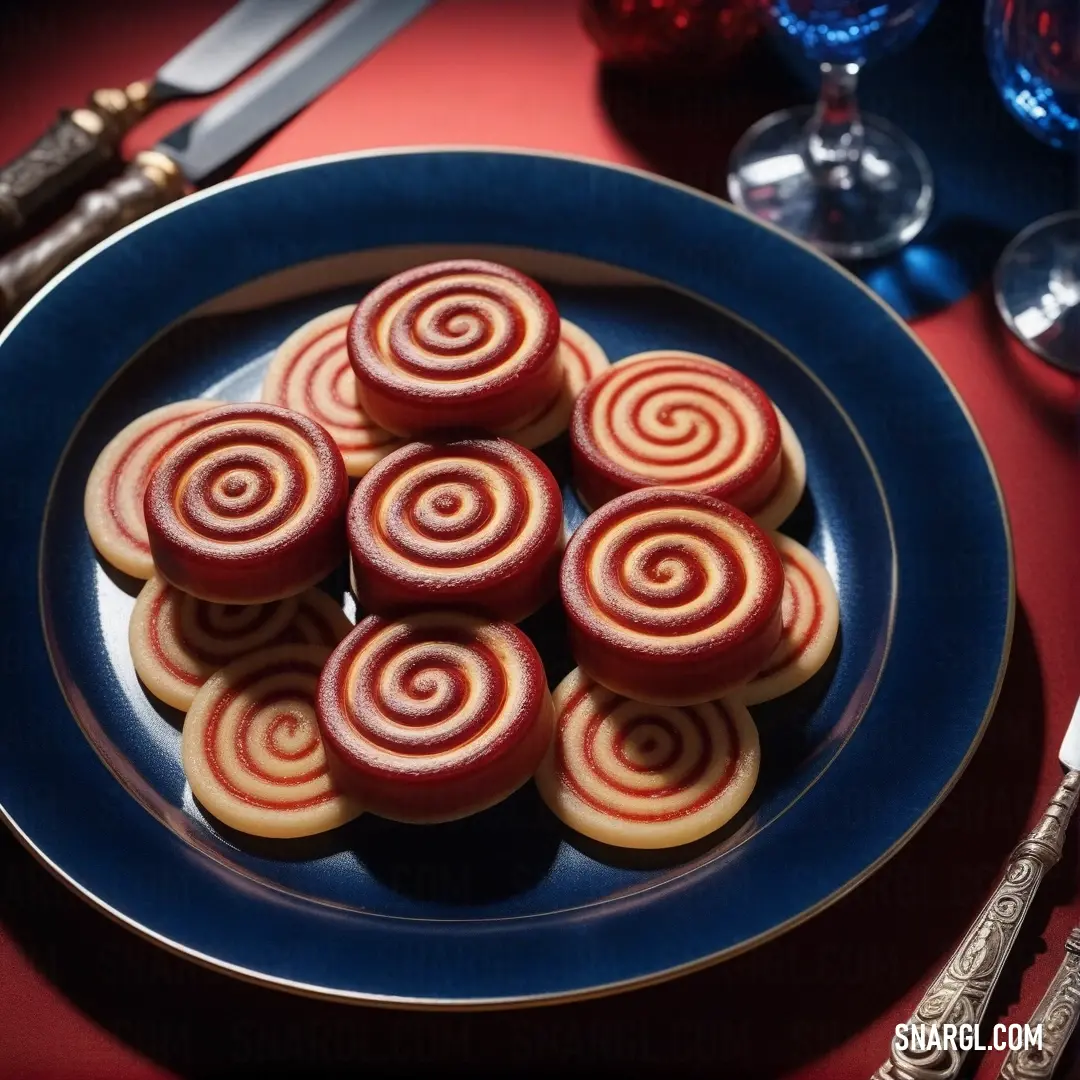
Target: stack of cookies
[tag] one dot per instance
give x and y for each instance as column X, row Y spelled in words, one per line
column 683, row 604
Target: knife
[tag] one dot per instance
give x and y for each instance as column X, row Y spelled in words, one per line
column 960, row 993
column 84, row 140
column 202, row 150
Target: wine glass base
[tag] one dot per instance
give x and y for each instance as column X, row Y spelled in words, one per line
column 1037, row 288
column 858, row 212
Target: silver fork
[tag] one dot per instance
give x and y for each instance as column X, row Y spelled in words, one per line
column 1057, row 1013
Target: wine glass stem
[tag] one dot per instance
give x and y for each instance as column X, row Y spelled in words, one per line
column 834, row 134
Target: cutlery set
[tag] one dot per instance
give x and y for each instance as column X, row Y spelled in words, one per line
column 83, row 140
column 961, row 991
column 196, row 153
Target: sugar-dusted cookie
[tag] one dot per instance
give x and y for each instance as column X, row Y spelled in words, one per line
column 811, row 615
column 310, row 374
column 251, row 747
column 677, row 420
column 113, row 502
column 457, row 344
column 436, row 716
column 177, row 641
column 248, row 506
column 646, row 776
column 581, row 359
column 320, row 620
column 473, row 524
column 671, row 596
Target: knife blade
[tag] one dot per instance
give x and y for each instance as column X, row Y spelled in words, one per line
column 82, row 142
column 204, row 148
column 207, row 144
column 1069, row 753
column 962, row 989
column 247, row 31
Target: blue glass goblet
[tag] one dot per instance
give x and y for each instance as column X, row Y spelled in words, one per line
column 1033, row 47
column 851, row 184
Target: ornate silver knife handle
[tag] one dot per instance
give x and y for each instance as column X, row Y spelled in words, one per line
column 1057, row 1012
column 960, row 992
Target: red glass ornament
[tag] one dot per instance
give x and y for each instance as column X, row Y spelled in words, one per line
column 699, row 34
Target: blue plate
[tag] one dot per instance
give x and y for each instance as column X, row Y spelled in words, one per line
column 506, row 907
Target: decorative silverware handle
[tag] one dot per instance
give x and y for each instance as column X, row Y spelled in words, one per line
column 150, row 181
column 960, row 992
column 1057, row 1013
column 69, row 153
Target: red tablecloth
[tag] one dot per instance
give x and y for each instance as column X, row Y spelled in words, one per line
column 81, row 997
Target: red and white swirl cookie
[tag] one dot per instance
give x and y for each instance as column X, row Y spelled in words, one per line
column 113, row 503
column 581, row 360
column 646, row 776
column 177, row 642
column 319, row 620
column 672, row 596
column 434, row 717
column 811, row 614
column 248, row 506
column 310, row 373
column 473, row 524
column 677, row 420
column 251, row 747
column 457, row 344
column 782, row 500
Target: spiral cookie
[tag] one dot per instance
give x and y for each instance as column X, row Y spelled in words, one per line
column 677, row 420
column 113, row 503
column 434, row 717
column 248, row 506
column 646, row 776
column 473, row 524
column 776, row 507
column 672, row 596
column 581, row 360
column 319, row 620
column 178, row 642
column 251, row 747
column 811, row 615
column 310, row 374
column 458, row 344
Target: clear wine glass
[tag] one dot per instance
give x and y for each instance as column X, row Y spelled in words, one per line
column 851, row 184
column 1033, row 47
